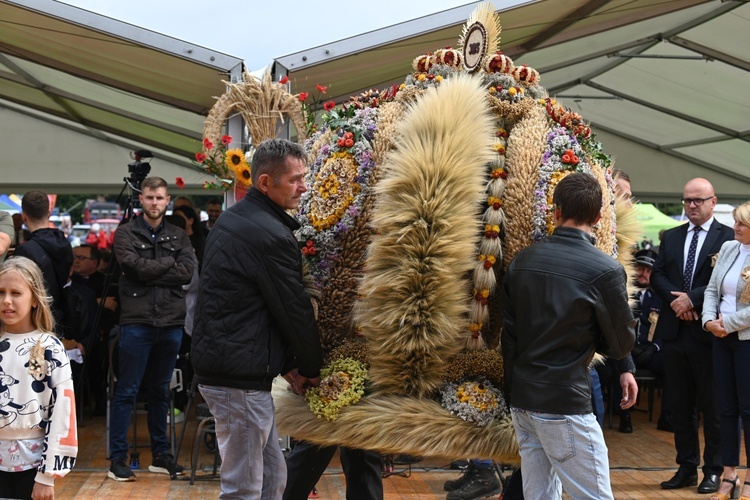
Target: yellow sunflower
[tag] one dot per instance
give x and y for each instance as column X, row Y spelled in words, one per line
column 235, row 159
column 244, row 176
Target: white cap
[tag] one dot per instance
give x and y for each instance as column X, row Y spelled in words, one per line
column 95, row 227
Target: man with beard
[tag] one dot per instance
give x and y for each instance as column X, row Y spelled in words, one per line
column 156, row 259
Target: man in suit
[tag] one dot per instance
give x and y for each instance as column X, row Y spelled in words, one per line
column 679, row 277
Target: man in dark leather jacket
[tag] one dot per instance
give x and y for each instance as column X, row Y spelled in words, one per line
column 156, row 259
column 254, row 321
column 564, row 300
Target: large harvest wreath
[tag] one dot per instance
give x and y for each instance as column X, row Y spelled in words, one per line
column 419, row 198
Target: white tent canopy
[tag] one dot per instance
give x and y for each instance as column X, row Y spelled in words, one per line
column 664, row 84
column 80, row 91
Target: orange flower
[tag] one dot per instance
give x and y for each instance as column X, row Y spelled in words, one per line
column 283, row 79
column 303, row 96
column 321, row 88
column 329, row 105
column 180, row 182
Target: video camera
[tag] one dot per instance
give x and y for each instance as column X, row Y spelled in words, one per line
column 138, row 170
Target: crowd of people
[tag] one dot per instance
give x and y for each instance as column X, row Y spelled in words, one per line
column 182, row 293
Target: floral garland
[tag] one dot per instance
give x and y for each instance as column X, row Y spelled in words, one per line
column 342, row 384
column 593, row 149
column 562, row 156
column 473, row 401
column 340, row 179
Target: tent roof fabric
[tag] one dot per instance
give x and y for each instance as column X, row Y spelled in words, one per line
column 652, row 221
column 666, row 78
column 120, row 84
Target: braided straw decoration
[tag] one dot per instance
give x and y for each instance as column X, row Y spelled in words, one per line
column 526, row 145
column 389, row 115
column 606, row 240
column 262, row 105
column 490, row 251
column 335, row 321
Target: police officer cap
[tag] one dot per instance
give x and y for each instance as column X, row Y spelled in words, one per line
column 645, row 257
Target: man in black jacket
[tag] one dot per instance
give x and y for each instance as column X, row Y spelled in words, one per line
column 156, row 259
column 47, row 247
column 254, row 321
column 680, row 277
column 564, row 300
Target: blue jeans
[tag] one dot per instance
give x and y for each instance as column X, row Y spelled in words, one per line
column 562, row 451
column 252, row 464
column 143, row 350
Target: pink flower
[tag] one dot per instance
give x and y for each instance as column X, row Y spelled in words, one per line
column 180, row 182
column 303, row 96
column 283, row 79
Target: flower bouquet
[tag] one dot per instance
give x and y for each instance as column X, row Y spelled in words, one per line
column 228, row 166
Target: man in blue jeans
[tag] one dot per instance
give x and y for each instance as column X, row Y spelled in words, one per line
column 254, row 321
column 563, row 300
column 156, row 259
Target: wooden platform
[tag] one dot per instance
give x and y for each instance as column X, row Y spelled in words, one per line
column 639, row 462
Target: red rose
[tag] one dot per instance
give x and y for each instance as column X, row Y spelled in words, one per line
column 348, row 143
column 180, row 182
column 329, row 105
column 207, row 143
column 575, row 160
column 348, row 135
column 340, row 142
column 284, row 79
column 312, row 251
column 321, row 89
column 566, row 158
column 303, row 96
column 226, row 140
column 200, row 157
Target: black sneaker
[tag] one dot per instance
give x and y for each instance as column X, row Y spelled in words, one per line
column 481, row 482
column 454, row 484
column 165, row 464
column 119, row 471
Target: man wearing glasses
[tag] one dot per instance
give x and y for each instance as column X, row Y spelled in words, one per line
column 679, row 277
